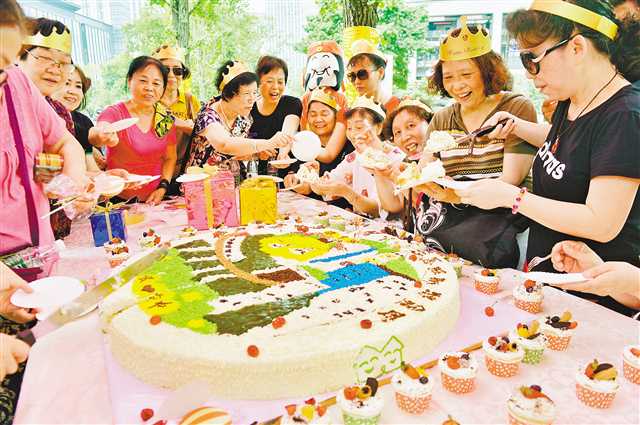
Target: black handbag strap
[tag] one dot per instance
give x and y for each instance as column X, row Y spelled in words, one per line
column 22, row 168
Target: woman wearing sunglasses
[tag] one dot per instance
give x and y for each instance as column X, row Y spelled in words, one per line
column 149, row 146
column 365, row 71
column 181, row 104
column 586, row 173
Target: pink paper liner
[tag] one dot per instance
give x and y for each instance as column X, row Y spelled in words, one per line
column 558, row 343
column 487, row 288
column 413, row 405
column 457, row 385
column 501, row 369
column 630, row 372
column 529, row 306
column 593, row 398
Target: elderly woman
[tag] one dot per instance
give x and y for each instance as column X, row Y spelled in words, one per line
column 149, row 146
column 220, row 135
column 181, row 104
column 586, row 174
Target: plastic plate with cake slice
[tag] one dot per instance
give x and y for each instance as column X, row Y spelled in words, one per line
column 282, row 162
column 114, row 127
column 48, row 294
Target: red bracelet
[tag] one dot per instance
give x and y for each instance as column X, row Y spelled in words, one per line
column 516, row 204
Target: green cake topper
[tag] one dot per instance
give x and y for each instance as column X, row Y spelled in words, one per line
column 372, row 361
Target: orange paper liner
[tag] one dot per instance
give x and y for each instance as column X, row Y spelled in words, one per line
column 457, row 385
column 558, row 343
column 530, row 306
column 593, row 398
column 116, row 262
column 501, row 369
column 516, row 421
column 487, row 288
column 631, row 372
column 413, row 405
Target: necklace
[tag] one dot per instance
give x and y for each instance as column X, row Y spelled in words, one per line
column 562, row 132
column 225, row 120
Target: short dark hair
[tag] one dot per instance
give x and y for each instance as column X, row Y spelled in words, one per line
column 45, row 27
column 376, row 60
column 417, row 111
column 11, row 14
column 532, row 27
column 375, row 117
column 141, row 62
column 494, row 73
column 266, row 64
column 232, row 88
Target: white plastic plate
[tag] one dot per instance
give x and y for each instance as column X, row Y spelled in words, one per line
column 306, row 146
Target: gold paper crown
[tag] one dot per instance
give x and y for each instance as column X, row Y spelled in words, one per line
column 361, row 46
column 577, row 14
column 54, row 40
column 323, row 95
column 414, row 102
column 465, row 45
column 232, row 72
column 368, row 103
column 167, row 51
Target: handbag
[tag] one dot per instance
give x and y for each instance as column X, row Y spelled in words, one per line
column 27, row 273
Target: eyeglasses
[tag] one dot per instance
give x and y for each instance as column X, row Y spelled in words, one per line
column 362, row 74
column 178, row 71
column 46, row 62
column 532, row 63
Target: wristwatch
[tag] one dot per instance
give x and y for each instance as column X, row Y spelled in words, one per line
column 164, row 184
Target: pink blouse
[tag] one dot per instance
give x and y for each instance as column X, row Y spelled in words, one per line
column 138, row 152
column 39, row 126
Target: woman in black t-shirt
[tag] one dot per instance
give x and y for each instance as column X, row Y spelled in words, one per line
column 586, row 173
column 273, row 111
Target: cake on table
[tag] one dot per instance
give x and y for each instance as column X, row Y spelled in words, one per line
column 281, row 310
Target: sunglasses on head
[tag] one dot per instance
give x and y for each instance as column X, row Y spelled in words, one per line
column 362, row 74
column 178, row 71
column 531, row 62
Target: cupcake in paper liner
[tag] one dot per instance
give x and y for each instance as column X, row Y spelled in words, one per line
column 531, row 340
column 487, row 281
column 530, row 406
column 361, row 405
column 413, row 388
column 117, row 252
column 149, row 239
column 558, row 330
column 309, row 412
column 528, row 296
column 597, row 384
column 458, row 372
column 631, row 363
column 502, row 356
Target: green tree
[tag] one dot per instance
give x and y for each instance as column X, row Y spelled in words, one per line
column 360, row 13
column 403, row 30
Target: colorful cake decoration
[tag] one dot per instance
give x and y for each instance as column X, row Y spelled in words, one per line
column 372, row 361
column 559, row 330
column 531, row 340
column 597, row 384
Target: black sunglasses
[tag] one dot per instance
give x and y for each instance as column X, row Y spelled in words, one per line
column 178, row 71
column 532, row 63
column 362, row 74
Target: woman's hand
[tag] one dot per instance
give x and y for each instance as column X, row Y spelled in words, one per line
column 439, row 193
column 488, row 194
column 328, row 187
column 156, row 196
column 616, row 279
column 280, row 140
column 291, row 180
column 10, row 283
column 573, row 257
column 264, row 155
column 12, row 353
column 502, row 131
column 99, row 136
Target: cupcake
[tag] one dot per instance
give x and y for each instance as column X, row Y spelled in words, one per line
column 528, row 296
column 117, row 251
column 597, row 384
column 458, row 372
column 149, row 239
column 530, row 406
column 456, row 262
column 338, row 222
column 361, row 405
column 188, row 232
column 631, row 363
column 502, row 356
column 531, row 340
column 322, row 219
column 558, row 330
column 487, row 281
column 413, row 389
column 307, row 413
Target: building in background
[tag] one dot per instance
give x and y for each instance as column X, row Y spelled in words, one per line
column 444, row 16
column 95, row 24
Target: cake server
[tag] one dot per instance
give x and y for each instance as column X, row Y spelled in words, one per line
column 482, row 131
column 89, row 300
